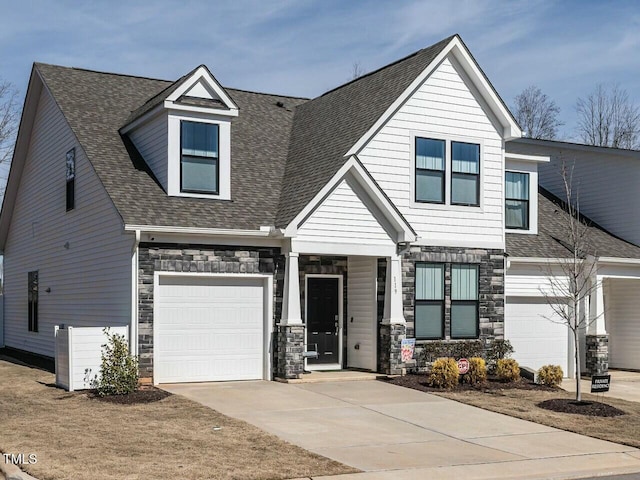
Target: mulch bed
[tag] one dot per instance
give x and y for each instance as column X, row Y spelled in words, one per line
column 144, row 394
column 591, row 409
column 421, row 382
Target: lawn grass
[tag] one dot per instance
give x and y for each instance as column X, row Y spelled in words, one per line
column 624, row 429
column 76, row 437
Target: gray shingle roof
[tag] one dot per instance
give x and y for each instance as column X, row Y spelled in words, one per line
column 97, row 104
column 552, row 235
column 326, row 127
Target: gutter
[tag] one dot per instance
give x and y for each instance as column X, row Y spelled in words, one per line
column 620, row 261
column 263, row 232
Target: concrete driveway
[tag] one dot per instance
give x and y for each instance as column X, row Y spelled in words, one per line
column 624, row 385
column 391, row 432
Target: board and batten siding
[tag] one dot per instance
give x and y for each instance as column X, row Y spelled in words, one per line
column 344, row 217
column 362, row 310
column 151, row 141
column 444, row 107
column 82, row 256
column 622, row 319
column 606, row 183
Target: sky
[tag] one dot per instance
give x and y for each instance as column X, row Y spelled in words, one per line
column 306, row 47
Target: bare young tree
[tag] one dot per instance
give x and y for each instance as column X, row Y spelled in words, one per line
column 357, row 70
column 8, row 120
column 608, row 118
column 537, row 114
column 572, row 278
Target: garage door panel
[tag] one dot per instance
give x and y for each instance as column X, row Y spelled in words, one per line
column 536, row 339
column 208, row 329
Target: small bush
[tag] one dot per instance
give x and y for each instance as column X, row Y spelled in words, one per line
column 550, row 375
column 433, row 350
column 508, row 370
column 477, row 371
column 444, row 373
column 119, row 370
column 499, row 349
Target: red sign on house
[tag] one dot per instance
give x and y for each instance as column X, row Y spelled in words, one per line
column 463, row 366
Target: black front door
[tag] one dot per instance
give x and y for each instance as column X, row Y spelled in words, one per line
column 322, row 319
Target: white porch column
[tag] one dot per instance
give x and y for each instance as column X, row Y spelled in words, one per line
column 291, row 295
column 393, row 308
column 596, row 320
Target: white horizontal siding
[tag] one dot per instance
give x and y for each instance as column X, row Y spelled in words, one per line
column 443, row 107
column 533, row 281
column 362, row 311
column 622, row 318
column 90, row 281
column 151, row 140
column 594, row 175
column 343, row 217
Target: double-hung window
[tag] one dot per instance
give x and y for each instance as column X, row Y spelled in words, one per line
column 517, row 200
column 32, row 299
column 464, row 301
column 200, row 169
column 430, row 170
column 465, row 174
column 429, row 304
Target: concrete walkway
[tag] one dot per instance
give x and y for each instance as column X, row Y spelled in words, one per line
column 391, row 432
column 624, row 385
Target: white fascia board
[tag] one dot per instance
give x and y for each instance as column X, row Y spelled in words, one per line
column 371, row 188
column 204, row 74
column 527, row 158
column 619, row 260
column 539, row 260
column 190, row 108
column 143, row 119
column 511, row 130
column 198, row 231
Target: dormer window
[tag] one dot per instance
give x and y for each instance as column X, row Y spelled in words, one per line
column 517, row 200
column 200, row 169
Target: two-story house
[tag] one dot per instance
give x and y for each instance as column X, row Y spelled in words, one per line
column 232, row 231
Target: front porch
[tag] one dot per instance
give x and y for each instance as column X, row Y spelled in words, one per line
column 346, row 309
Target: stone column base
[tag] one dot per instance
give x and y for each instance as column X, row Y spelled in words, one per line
column 391, row 337
column 290, row 340
column 597, row 354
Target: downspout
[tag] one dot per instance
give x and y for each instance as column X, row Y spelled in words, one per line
column 133, row 330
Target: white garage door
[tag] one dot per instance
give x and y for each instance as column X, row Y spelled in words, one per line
column 622, row 318
column 208, row 329
column 536, row 340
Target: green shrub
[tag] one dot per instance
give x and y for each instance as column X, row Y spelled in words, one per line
column 477, row 371
column 444, row 373
column 550, row 375
column 498, row 349
column 508, row 370
column 433, row 350
column 468, row 349
column 119, row 369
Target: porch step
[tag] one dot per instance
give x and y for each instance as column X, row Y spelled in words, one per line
column 333, row 376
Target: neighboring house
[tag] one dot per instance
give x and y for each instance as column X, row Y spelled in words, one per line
column 232, row 231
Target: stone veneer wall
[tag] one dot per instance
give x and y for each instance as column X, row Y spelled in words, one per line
column 597, row 354
column 154, row 257
column 490, row 292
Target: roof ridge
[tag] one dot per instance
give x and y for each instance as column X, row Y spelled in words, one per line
column 377, row 70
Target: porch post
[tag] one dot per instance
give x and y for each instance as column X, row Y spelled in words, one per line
column 291, row 329
column 597, row 339
column 393, row 326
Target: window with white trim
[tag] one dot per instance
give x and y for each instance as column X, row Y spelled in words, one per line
column 465, row 174
column 199, row 161
column 516, row 200
column 430, row 170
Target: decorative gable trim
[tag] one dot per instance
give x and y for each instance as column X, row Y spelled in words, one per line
column 357, row 176
column 458, row 50
column 201, row 84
